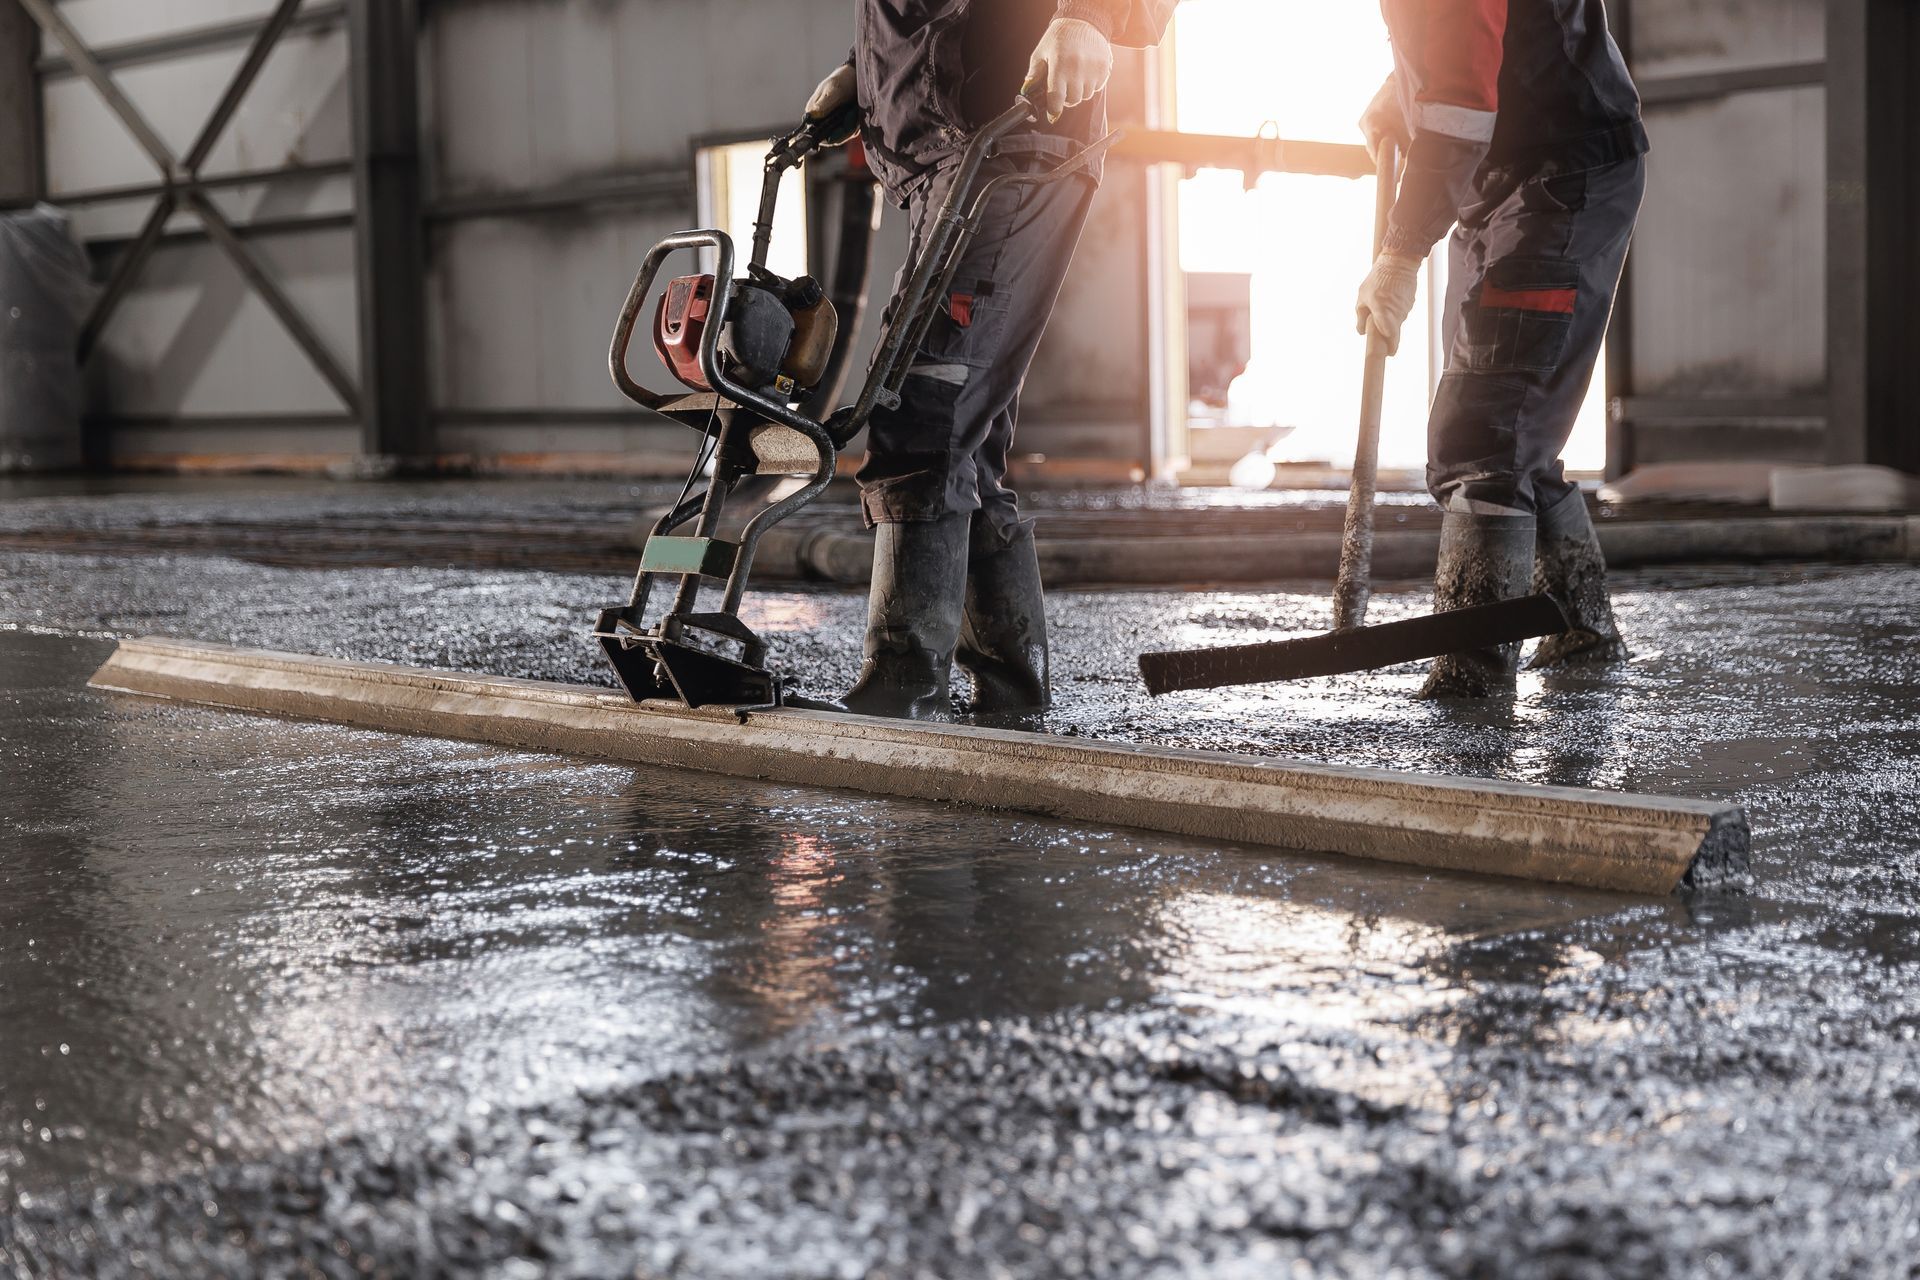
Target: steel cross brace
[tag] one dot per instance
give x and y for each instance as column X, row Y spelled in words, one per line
column 184, row 190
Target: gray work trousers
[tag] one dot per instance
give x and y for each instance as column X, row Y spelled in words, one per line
column 1533, row 267
column 944, row 450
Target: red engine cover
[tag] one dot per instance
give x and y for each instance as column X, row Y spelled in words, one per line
column 679, row 325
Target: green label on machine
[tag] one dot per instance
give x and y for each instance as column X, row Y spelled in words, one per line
column 709, row 557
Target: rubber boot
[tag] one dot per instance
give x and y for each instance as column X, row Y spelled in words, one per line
column 1483, row 559
column 913, row 619
column 1003, row 642
column 1568, row 565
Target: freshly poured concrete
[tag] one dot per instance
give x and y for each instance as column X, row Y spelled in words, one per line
column 1638, row 844
column 334, row 1000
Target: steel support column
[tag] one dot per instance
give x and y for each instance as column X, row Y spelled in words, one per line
column 1873, row 254
column 1618, row 373
column 389, row 226
column 19, row 107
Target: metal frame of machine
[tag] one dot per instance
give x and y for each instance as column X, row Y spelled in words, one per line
column 713, row 658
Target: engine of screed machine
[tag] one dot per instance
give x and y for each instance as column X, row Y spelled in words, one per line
column 777, row 334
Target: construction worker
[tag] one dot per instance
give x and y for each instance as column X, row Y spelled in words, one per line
column 1522, row 133
column 954, row 568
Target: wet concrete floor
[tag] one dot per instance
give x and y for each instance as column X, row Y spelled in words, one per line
column 294, row 999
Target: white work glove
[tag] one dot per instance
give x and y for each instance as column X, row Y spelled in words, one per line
column 1383, row 120
column 1386, row 297
column 1073, row 61
column 835, row 92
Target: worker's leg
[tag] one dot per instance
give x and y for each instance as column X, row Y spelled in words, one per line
column 1003, row 647
column 931, row 483
column 1535, row 270
column 913, row 618
column 1568, row 563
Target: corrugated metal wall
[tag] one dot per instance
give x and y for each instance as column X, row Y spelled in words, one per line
column 542, row 95
column 559, row 141
column 1726, row 300
column 194, row 361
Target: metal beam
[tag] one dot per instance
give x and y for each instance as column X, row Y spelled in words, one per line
column 136, row 257
column 124, row 273
column 262, row 47
column 290, row 316
column 1724, row 408
column 20, row 164
column 1667, row 91
column 559, row 416
column 293, row 224
column 1249, row 155
column 220, row 421
column 390, row 230
column 55, row 24
column 319, row 15
column 181, row 190
column 665, row 188
column 1873, row 256
column 1618, row 374
column 218, row 182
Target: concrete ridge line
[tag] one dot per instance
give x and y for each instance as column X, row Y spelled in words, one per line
column 1625, row 842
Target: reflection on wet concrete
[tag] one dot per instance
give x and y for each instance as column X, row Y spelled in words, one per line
column 244, row 927
column 423, row 1005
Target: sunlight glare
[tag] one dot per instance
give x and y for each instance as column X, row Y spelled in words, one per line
column 1308, row 69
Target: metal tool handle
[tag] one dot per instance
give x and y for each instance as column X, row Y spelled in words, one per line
column 710, row 363
column 1353, row 587
column 637, row 297
column 812, row 134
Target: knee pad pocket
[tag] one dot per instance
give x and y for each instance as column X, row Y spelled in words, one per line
column 1520, row 318
column 967, row 331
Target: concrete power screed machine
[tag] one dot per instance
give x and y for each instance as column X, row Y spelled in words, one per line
column 750, row 350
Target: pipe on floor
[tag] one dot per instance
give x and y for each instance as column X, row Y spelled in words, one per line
column 839, row 556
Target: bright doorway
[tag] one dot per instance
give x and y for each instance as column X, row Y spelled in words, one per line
column 727, row 196
column 1271, row 272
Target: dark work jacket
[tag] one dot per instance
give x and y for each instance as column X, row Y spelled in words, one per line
column 930, row 72
column 1516, row 85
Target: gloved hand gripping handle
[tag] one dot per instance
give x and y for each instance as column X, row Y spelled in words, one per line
column 812, row 134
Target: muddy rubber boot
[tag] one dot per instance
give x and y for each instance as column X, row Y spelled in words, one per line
column 913, row 619
column 1003, row 643
column 1483, row 559
column 1568, row 565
